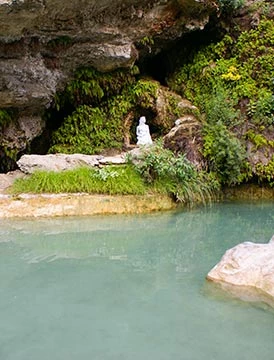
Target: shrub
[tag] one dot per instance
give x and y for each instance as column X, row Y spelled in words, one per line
column 174, row 174
column 261, row 109
column 225, row 153
column 219, row 108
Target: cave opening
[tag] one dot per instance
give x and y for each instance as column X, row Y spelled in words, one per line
column 154, row 65
column 160, row 65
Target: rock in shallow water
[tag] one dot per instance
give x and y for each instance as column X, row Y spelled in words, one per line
column 247, row 272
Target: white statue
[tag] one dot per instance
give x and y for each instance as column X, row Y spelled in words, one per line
column 142, row 131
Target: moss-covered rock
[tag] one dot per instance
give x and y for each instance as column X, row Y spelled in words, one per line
column 106, row 108
column 232, row 83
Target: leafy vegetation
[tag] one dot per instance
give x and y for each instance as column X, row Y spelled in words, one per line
column 88, row 130
column 232, row 83
column 157, row 170
column 8, row 155
column 225, row 153
column 266, row 172
column 99, row 104
column 90, row 87
column 175, row 175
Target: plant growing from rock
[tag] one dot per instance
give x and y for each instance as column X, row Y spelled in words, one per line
column 232, row 84
column 165, row 171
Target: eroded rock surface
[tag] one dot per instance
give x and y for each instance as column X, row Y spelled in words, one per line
column 247, row 272
column 42, row 43
column 186, row 135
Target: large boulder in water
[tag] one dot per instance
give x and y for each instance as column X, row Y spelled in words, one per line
column 247, row 272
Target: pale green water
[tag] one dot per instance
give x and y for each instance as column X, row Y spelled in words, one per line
column 129, row 287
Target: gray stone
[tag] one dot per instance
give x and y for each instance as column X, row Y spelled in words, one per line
column 19, row 133
column 186, row 137
column 60, row 162
column 43, row 42
column 6, row 180
column 247, row 272
column 113, row 160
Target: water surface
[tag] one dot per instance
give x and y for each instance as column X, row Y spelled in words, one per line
column 130, row 287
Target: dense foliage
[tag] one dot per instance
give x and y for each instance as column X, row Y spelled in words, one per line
column 175, row 175
column 232, row 82
column 230, row 5
column 99, row 105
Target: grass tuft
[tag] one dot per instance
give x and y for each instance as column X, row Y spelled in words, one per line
column 123, row 180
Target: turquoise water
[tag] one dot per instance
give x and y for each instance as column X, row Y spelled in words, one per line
column 130, row 287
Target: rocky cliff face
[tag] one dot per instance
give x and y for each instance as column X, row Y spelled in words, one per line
column 42, row 42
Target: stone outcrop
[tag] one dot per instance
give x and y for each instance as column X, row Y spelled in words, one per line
column 42, row 43
column 247, row 272
column 28, row 164
column 162, row 108
column 186, row 136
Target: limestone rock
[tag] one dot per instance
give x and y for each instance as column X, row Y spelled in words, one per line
column 27, row 82
column 185, row 137
column 247, row 272
column 20, row 132
column 6, row 180
column 112, row 160
column 59, row 162
column 42, row 43
column 30, row 163
column 162, row 108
